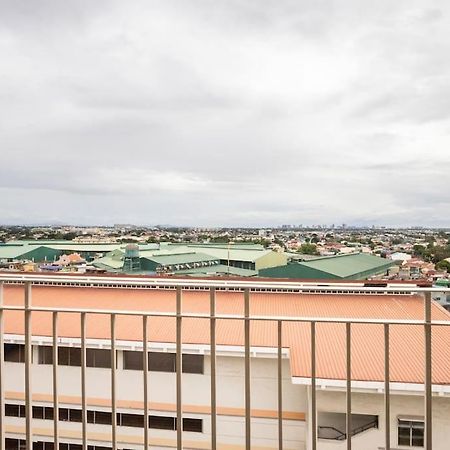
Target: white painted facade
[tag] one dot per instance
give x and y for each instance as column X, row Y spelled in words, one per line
column 367, row 398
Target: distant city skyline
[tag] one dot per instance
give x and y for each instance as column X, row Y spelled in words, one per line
column 229, row 113
column 216, row 227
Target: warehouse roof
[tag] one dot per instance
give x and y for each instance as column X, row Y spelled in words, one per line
column 345, row 266
column 108, row 262
column 355, row 265
column 235, row 254
column 14, row 251
column 235, row 245
column 114, row 260
column 168, row 259
column 219, row 269
column 406, row 341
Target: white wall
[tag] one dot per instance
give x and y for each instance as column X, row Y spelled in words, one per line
column 196, row 391
column 401, row 405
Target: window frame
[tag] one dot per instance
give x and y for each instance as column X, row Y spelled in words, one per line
column 20, row 352
column 411, row 425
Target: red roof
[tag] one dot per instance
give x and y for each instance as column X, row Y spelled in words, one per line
column 406, row 347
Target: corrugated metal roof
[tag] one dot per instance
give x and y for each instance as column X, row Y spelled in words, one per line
column 108, row 262
column 406, row 345
column 178, row 258
column 219, row 269
column 15, row 251
column 234, row 254
column 347, row 265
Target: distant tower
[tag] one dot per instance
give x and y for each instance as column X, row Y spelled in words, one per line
column 131, row 262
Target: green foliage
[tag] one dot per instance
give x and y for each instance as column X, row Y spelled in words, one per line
column 440, row 252
column 220, row 239
column 308, row 249
column 443, row 265
column 434, row 254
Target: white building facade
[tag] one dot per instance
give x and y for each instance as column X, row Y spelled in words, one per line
column 407, row 404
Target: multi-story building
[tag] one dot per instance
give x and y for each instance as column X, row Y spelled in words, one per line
column 263, row 365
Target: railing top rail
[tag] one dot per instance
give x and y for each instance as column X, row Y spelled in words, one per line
column 301, row 286
column 254, row 317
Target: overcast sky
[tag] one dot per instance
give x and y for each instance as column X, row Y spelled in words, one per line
column 225, row 112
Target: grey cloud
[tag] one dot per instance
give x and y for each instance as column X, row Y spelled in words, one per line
column 224, row 113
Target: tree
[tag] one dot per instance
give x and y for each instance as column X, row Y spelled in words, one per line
column 443, row 265
column 440, row 252
column 308, row 249
column 420, row 251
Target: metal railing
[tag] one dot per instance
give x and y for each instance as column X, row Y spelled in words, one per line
column 246, row 287
column 339, row 435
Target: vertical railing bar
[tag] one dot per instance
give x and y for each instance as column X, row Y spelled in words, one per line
column 179, row 368
column 113, row 384
column 428, row 375
column 247, row 369
column 83, row 319
column 28, row 357
column 280, row 384
column 387, row 393
column 2, row 372
column 349, row 385
column 212, row 311
column 145, row 375
column 313, row 388
column 55, row 381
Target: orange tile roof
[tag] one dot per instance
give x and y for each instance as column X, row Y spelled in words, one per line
column 406, row 346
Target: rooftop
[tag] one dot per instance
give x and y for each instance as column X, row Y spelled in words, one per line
column 406, row 345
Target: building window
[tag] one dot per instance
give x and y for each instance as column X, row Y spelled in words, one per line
column 62, row 446
column 194, row 425
column 410, row 433
column 15, row 444
column 70, row 447
column 69, row 356
column 42, row 412
column 162, row 362
column 132, row 360
column 162, row 423
column 98, row 358
column 130, row 420
column 14, row 352
column 14, row 410
column 170, row 423
column 45, row 355
column 40, row 445
column 70, row 415
column 99, row 417
column 193, row 363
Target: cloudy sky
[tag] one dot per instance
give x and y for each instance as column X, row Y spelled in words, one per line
column 225, row 112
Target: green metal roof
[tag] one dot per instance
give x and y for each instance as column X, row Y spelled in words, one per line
column 348, row 265
column 219, row 269
column 234, row 254
column 442, row 282
column 91, row 248
column 178, row 258
column 353, row 266
column 108, row 262
column 235, row 245
column 114, row 259
column 8, row 251
column 78, row 246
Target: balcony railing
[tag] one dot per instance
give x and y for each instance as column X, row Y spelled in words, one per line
column 180, row 285
column 333, row 433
